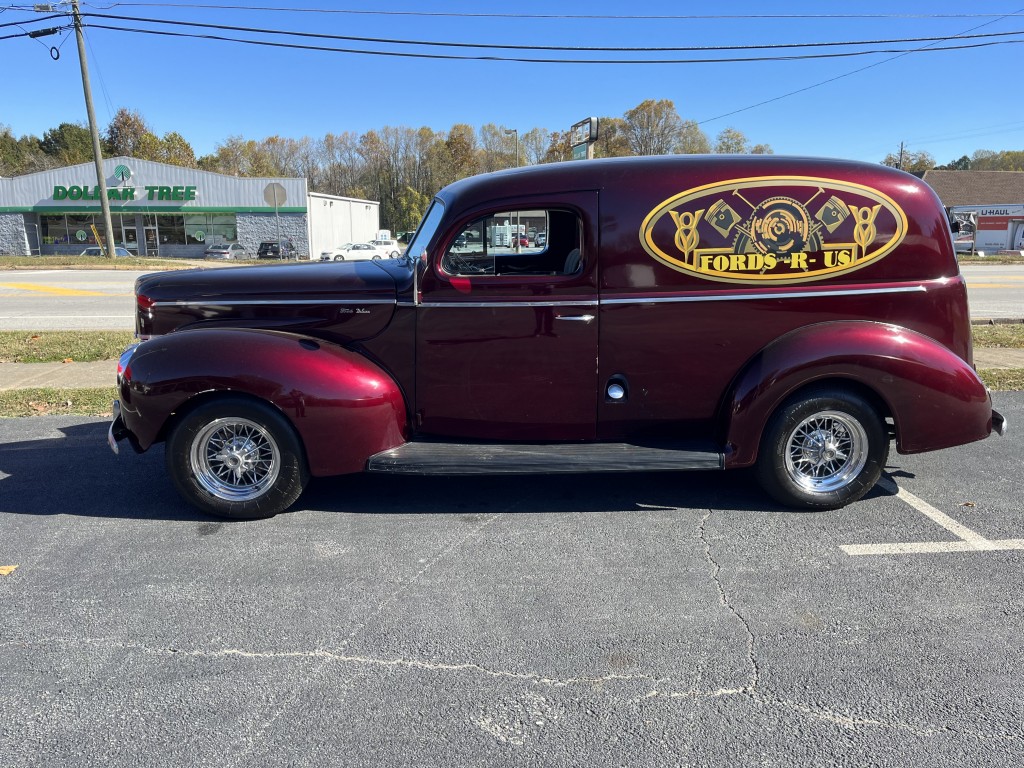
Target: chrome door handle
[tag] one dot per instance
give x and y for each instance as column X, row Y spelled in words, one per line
column 578, row 318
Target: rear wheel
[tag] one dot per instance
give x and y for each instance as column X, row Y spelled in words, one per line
column 822, row 450
column 237, row 458
column 376, row 257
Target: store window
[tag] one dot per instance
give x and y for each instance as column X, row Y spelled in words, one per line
column 80, row 229
column 210, row 228
column 171, row 229
column 53, row 229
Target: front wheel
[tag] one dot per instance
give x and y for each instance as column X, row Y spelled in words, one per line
column 339, row 258
column 237, row 458
column 822, row 450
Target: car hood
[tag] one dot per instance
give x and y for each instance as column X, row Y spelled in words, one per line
column 339, row 301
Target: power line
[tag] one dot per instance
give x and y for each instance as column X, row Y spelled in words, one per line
column 499, row 46
column 846, row 74
column 582, row 17
column 451, row 57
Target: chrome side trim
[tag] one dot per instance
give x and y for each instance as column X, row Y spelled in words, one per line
column 271, row 302
column 504, row 304
column 760, row 296
column 804, row 294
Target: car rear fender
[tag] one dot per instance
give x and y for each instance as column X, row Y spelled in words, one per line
column 935, row 398
column 343, row 406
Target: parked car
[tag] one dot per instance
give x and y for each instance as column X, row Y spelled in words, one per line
column 234, row 251
column 790, row 315
column 389, row 249
column 335, row 254
column 95, row 250
column 269, row 249
column 362, row 252
column 541, row 239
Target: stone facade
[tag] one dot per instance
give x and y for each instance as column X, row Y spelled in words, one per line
column 13, row 236
column 254, row 228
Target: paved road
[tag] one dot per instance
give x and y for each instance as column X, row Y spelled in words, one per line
column 53, row 300
column 603, row 621
column 995, row 291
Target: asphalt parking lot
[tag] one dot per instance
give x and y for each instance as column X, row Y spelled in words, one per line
column 612, row 620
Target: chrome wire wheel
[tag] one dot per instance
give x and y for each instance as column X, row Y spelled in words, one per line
column 235, row 459
column 826, row 451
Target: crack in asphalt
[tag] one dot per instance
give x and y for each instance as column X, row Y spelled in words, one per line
column 725, row 602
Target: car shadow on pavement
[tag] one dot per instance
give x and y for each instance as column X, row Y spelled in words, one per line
column 71, row 471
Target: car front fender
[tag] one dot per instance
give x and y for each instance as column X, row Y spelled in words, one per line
column 344, row 407
column 934, row 397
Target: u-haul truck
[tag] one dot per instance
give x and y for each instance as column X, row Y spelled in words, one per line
column 996, row 227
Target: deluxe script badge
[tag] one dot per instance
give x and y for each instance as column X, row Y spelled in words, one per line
column 773, row 229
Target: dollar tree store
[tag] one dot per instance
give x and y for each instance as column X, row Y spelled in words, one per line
column 173, row 212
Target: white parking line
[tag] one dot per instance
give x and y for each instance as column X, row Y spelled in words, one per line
column 969, row 541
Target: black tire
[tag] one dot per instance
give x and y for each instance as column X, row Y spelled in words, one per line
column 376, row 257
column 339, row 258
column 395, row 254
column 823, row 449
column 237, row 458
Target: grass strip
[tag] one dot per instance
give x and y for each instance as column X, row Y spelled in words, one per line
column 87, row 262
column 62, row 346
column 15, row 403
column 1003, row 379
column 1007, row 336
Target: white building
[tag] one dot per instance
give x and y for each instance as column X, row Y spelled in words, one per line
column 170, row 211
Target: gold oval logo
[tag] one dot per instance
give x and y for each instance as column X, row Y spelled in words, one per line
column 773, row 229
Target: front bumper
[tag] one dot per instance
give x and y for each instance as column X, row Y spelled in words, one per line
column 999, row 423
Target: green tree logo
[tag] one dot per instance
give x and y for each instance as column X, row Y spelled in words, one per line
column 122, row 173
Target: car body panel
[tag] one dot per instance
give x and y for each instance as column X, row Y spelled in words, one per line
column 343, row 406
column 341, row 302
column 934, row 397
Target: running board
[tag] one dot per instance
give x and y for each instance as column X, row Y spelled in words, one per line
column 440, row 458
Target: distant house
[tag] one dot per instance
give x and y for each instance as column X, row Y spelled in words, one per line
column 989, row 205
column 956, row 188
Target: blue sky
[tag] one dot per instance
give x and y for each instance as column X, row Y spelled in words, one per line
column 948, row 103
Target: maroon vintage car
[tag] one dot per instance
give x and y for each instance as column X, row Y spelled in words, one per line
column 793, row 315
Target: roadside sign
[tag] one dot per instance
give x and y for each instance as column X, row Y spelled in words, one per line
column 274, row 194
column 579, row 152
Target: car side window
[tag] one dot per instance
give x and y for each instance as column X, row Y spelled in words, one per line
column 519, row 243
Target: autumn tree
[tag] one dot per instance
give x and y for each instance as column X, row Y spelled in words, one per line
column 1007, row 160
column 128, row 134
column 68, row 144
column 497, row 151
column 612, row 140
column 731, row 142
column 534, row 145
column 558, row 147
column 912, row 162
column 652, row 127
column 692, row 140
column 21, row 155
column 961, row 164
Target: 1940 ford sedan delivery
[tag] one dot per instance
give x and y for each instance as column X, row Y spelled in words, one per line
column 663, row 313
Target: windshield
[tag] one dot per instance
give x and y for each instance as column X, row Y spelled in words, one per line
column 417, row 249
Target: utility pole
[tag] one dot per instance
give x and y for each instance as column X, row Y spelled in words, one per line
column 899, row 163
column 96, row 151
